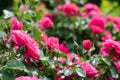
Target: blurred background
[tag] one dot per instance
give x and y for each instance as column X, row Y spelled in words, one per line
column 107, row 6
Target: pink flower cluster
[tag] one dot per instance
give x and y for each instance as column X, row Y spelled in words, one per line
column 114, row 20
column 90, row 70
column 21, row 38
column 53, row 42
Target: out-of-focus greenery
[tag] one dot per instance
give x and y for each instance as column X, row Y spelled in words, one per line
column 110, row 7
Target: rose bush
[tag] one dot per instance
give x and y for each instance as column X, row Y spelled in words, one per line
column 59, row 40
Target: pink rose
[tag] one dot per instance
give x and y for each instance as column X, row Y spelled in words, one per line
column 87, row 44
column 117, row 64
column 97, row 24
column 116, row 21
column 110, row 46
column 33, row 50
column 52, row 42
column 89, row 69
column 106, row 35
column 46, row 22
column 90, row 10
column 63, row 48
column 27, row 78
column 16, row 25
column 59, row 8
column 49, row 15
column 21, row 38
column 70, row 9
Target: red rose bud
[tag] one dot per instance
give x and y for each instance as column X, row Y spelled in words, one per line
column 87, row 44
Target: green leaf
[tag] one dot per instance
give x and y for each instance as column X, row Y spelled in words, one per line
column 15, row 65
column 4, row 75
column 52, row 64
column 37, row 35
column 113, row 72
column 104, row 60
column 62, row 54
column 43, row 57
column 80, row 72
column 31, row 70
column 68, row 72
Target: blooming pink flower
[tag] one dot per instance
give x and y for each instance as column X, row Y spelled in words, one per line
column 16, row 25
column 97, row 24
column 73, row 58
column 27, row 78
column 49, row 15
column 106, row 35
column 70, row 9
column 87, row 44
column 110, row 46
column 59, row 8
column 89, row 69
column 21, row 38
column 117, row 64
column 90, row 10
column 46, row 22
column 52, row 42
column 63, row 48
column 116, row 21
